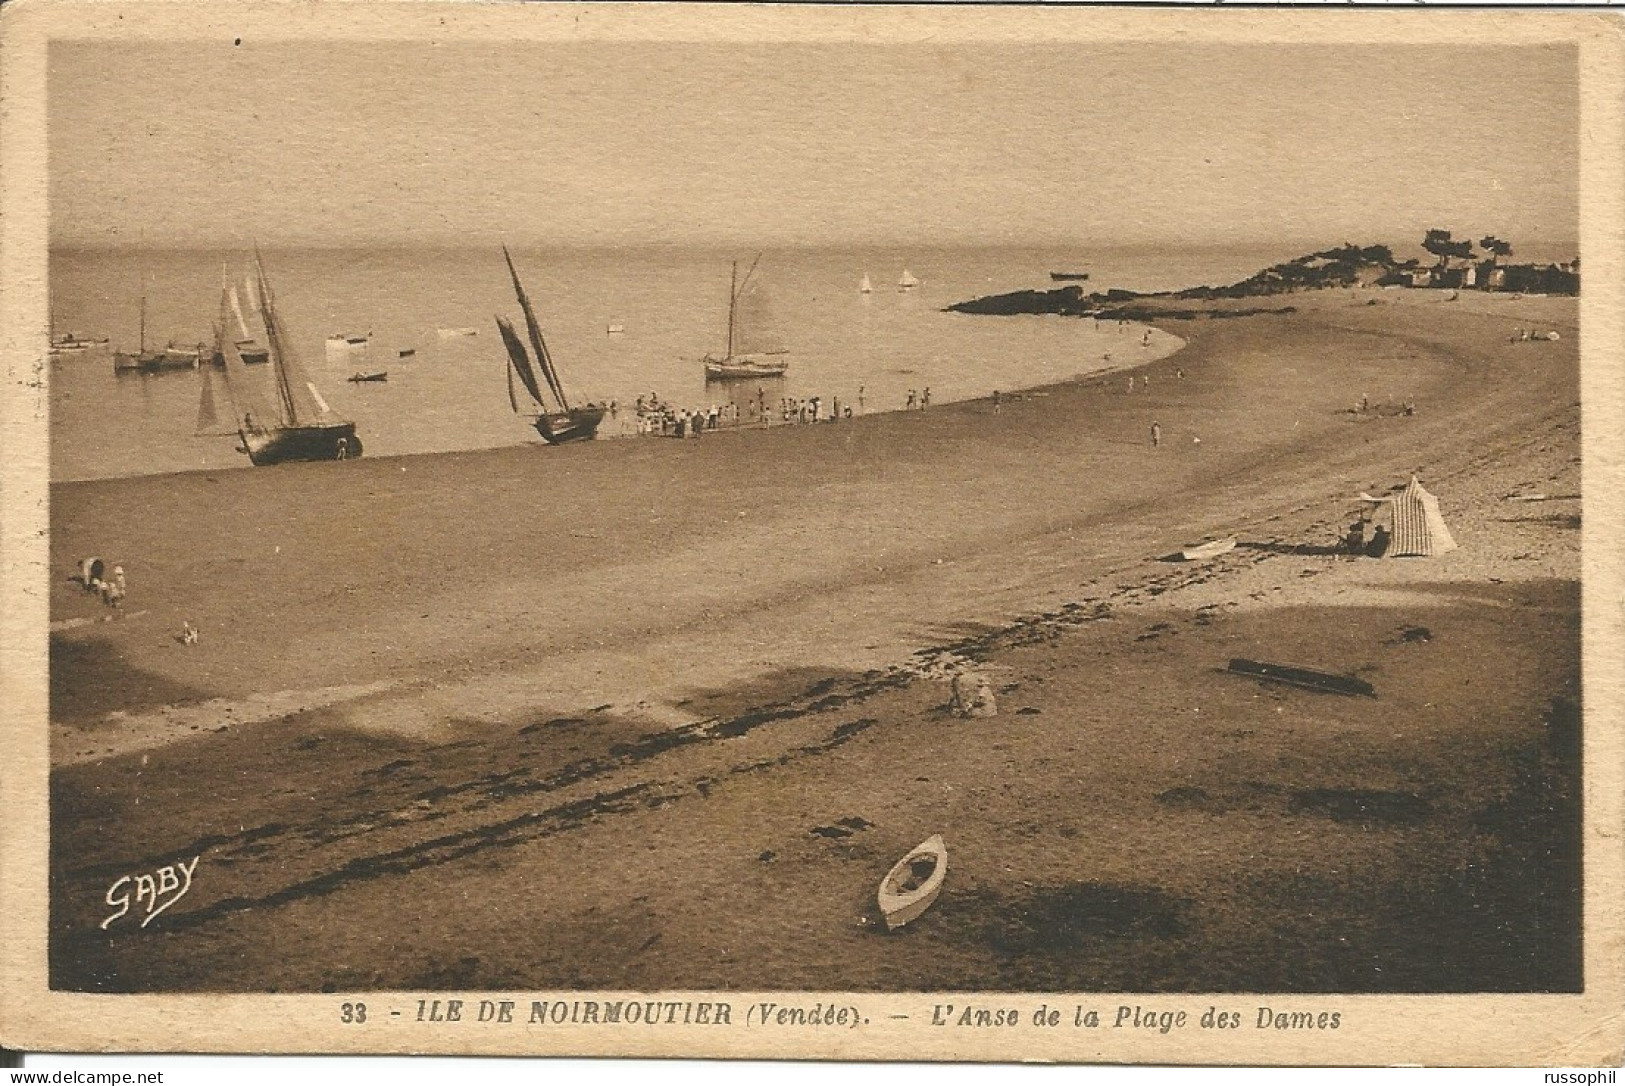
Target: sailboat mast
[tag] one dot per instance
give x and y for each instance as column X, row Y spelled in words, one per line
column 733, row 304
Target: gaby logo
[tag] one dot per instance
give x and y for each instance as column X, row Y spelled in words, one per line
column 157, row 891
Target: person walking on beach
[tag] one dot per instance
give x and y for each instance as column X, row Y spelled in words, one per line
column 860, row 397
column 1156, row 435
column 995, row 401
column 912, row 399
column 925, row 399
column 1131, row 383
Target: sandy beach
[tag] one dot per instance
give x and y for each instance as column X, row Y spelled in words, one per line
column 541, row 718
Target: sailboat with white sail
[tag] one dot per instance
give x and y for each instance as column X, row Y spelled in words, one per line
column 557, row 426
column 751, row 353
column 866, row 287
column 907, row 282
column 298, row 424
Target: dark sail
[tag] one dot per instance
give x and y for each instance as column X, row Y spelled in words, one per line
column 519, row 362
column 513, row 401
column 296, row 394
column 543, row 360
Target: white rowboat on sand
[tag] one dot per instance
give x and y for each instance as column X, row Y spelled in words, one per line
column 913, row 883
column 1211, row 549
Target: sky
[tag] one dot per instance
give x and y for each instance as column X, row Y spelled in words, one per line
column 602, row 143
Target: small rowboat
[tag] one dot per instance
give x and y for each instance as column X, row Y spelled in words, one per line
column 376, row 375
column 1211, row 549
column 1307, row 678
column 913, row 884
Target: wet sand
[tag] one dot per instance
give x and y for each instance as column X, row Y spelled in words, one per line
column 539, row 718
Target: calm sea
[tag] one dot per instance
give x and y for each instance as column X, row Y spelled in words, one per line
column 669, row 308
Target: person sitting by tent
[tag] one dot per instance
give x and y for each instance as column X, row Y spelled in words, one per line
column 1354, row 542
column 1414, row 526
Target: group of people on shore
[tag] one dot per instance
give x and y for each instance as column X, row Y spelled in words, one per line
column 655, row 416
column 1364, row 406
column 658, row 418
column 110, row 588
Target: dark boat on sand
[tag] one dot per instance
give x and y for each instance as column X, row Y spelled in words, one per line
column 370, row 376
column 558, row 426
column 299, row 425
column 1068, row 277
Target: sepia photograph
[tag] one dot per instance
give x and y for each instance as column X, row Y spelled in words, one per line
column 558, row 521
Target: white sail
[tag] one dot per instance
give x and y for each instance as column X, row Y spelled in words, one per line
column 237, row 311
column 907, row 282
column 866, row 287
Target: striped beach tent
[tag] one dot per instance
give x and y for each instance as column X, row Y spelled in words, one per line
column 1418, row 528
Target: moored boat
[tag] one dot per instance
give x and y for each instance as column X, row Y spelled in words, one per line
column 907, row 281
column 143, row 360
column 369, row 376
column 749, row 355
column 1069, row 277
column 557, row 425
column 176, row 357
column 913, row 883
column 69, row 342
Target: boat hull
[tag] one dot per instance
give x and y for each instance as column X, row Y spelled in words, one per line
column 577, row 424
column 286, row 444
column 721, row 370
column 151, row 362
column 1209, row 550
column 904, row 895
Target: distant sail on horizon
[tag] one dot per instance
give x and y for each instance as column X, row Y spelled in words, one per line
column 907, row 282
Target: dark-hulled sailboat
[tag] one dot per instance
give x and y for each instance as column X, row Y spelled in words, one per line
column 298, row 425
column 556, row 426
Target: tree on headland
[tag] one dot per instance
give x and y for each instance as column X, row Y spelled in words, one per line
column 1495, row 247
column 1441, row 245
